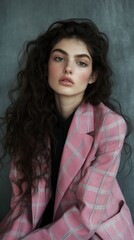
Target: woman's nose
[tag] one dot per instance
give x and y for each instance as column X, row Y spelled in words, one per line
column 68, row 70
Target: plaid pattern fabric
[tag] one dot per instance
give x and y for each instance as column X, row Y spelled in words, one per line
column 89, row 203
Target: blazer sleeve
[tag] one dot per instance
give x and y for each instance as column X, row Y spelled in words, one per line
column 23, row 216
column 93, row 191
column 16, row 205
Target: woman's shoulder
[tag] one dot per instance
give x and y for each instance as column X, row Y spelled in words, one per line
column 102, row 110
column 107, row 117
column 101, row 115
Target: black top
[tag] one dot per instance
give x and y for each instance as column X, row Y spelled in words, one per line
column 61, row 131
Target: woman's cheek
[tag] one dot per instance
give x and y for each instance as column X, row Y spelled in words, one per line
column 84, row 76
column 53, row 70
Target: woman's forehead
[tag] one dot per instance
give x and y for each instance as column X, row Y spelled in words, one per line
column 72, row 45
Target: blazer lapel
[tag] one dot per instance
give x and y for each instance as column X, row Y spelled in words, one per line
column 76, row 149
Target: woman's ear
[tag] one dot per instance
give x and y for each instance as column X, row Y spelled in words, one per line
column 93, row 77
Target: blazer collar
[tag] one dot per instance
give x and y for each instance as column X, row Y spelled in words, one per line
column 77, row 146
column 84, row 118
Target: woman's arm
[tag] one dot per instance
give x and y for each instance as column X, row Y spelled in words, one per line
column 24, row 216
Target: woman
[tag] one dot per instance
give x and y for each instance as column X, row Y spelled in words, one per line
column 65, row 141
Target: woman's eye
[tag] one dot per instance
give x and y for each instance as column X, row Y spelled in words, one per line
column 59, row 59
column 82, row 64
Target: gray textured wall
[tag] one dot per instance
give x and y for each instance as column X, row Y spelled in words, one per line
column 24, row 20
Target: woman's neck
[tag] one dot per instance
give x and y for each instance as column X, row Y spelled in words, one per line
column 66, row 105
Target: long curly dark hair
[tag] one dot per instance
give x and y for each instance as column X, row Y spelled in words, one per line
column 30, row 119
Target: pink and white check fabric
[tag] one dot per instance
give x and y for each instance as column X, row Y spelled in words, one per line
column 89, row 203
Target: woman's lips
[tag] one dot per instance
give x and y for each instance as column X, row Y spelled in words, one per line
column 66, row 81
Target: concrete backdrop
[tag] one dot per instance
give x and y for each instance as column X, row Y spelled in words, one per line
column 24, row 20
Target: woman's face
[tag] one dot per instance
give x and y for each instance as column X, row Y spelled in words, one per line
column 70, row 68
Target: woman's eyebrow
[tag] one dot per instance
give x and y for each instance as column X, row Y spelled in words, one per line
column 83, row 55
column 65, row 53
column 59, row 50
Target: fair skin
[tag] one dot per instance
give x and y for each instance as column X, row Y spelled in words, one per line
column 69, row 73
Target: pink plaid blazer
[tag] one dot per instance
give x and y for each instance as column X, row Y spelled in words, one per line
column 89, row 203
